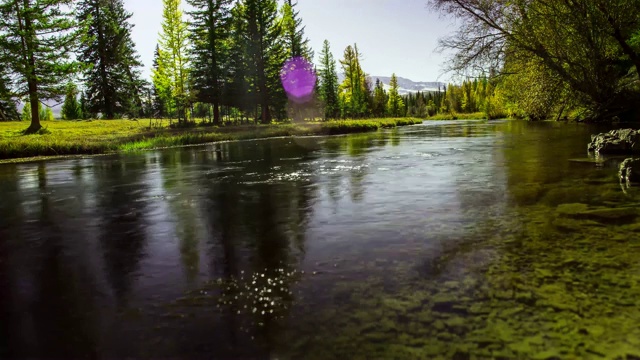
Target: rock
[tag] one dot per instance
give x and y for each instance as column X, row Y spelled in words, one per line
column 630, row 170
column 623, row 141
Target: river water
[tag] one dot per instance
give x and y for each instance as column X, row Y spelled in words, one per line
column 466, row 239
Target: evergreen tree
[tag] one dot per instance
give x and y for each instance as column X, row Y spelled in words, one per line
column 295, row 43
column 265, row 55
column 37, row 40
column 113, row 77
column 46, row 114
column 26, row 111
column 352, row 89
column 71, row 107
column 8, row 110
column 174, row 46
column 84, row 109
column 328, row 83
column 379, row 108
column 238, row 92
column 395, row 103
column 210, row 39
column 161, row 89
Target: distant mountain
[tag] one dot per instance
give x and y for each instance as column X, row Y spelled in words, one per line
column 405, row 86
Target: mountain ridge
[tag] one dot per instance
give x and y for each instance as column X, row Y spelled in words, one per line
column 405, row 85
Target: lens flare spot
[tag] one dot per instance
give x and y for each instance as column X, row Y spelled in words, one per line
column 298, row 79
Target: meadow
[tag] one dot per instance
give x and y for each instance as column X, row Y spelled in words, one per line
column 60, row 137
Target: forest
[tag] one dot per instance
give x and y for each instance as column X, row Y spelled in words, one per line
column 549, row 59
column 219, row 62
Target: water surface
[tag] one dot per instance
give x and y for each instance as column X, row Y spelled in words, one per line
column 442, row 240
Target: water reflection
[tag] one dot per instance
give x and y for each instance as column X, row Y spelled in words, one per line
column 407, row 243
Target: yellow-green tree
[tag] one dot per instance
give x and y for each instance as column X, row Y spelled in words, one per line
column 173, row 57
column 395, row 105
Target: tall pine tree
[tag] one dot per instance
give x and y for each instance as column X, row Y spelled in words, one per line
column 295, row 42
column 71, row 107
column 328, row 82
column 161, row 87
column 113, row 78
column 379, row 100
column 209, row 50
column 40, row 36
column 395, row 105
column 265, row 54
column 173, row 55
column 352, row 89
column 8, row 110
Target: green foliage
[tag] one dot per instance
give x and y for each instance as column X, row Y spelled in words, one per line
column 172, row 75
column 295, row 43
column 395, row 105
column 38, row 39
column 264, row 54
column 353, row 95
column 112, row 78
column 560, row 54
column 328, row 83
column 45, row 113
column 209, row 52
column 380, row 99
column 103, row 136
column 71, row 108
column 8, row 110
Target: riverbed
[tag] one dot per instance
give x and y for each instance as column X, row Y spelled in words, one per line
column 460, row 239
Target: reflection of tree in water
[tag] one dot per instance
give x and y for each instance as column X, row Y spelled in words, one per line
column 257, row 239
column 9, row 214
column 122, row 206
column 62, row 304
column 175, row 175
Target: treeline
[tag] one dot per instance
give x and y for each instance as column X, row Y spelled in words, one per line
column 221, row 61
column 551, row 59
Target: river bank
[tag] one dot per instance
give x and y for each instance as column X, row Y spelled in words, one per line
column 62, row 138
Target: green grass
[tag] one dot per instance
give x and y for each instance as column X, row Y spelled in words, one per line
column 60, row 138
column 456, row 116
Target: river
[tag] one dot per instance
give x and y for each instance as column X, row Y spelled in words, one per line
column 466, row 239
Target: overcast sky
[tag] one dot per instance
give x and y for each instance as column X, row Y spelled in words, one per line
column 393, row 35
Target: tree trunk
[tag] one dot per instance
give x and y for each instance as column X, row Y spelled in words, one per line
column 109, row 112
column 32, row 79
column 216, row 113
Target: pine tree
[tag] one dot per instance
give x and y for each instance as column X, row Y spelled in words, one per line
column 37, row 40
column 210, row 40
column 161, row 88
column 395, row 105
column 379, row 100
column 265, row 55
column 352, row 89
column 238, row 92
column 113, row 77
column 84, row 109
column 71, row 107
column 26, row 111
column 8, row 110
column 174, row 45
column 328, row 82
column 295, row 43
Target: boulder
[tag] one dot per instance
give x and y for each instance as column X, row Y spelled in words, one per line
column 630, row 170
column 622, row 141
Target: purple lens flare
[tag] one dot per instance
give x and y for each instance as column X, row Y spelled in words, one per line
column 298, row 79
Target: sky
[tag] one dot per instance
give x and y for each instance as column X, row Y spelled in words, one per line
column 394, row 36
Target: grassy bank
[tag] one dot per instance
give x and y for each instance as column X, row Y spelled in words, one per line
column 471, row 116
column 105, row 136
